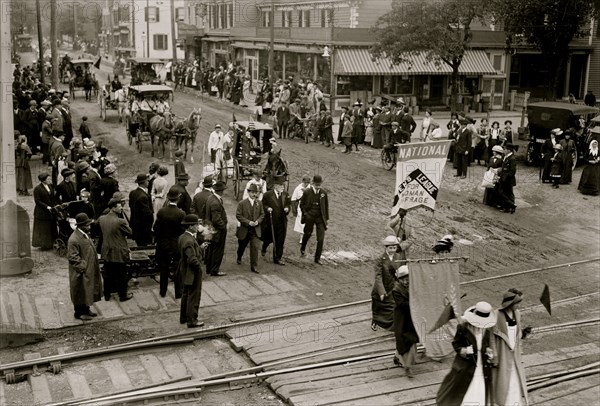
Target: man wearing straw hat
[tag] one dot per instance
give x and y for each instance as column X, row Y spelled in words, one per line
column 85, row 282
column 190, row 269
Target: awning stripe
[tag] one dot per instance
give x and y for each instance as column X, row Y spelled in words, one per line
column 358, row 61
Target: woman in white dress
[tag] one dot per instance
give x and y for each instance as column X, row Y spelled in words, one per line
column 425, row 126
column 159, row 189
column 469, row 380
column 509, row 381
column 296, row 196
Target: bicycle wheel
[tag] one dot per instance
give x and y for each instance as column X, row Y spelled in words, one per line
column 388, row 160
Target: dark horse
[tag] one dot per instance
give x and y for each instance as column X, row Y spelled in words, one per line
column 185, row 131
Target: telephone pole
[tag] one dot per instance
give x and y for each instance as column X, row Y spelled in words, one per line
column 74, row 23
column 272, row 45
column 332, row 83
column 53, row 46
column 40, row 41
column 173, row 38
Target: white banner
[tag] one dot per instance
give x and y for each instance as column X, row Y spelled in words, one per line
column 419, row 173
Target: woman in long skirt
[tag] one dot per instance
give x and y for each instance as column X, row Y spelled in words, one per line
column 508, row 378
column 490, row 194
column 23, row 154
column 557, row 169
column 589, row 184
column 404, row 329
column 377, row 135
column 382, row 300
column 44, row 222
column 369, row 128
column 469, row 381
column 159, row 189
column 568, row 149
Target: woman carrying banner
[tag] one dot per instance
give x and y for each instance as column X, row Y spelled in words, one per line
column 469, row 381
column 382, row 301
column 404, row 330
column 402, row 230
column 509, row 377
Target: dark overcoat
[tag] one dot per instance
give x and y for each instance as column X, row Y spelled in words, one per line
column 310, row 201
column 142, row 215
column 85, row 281
column 115, row 231
column 190, row 261
column 246, row 213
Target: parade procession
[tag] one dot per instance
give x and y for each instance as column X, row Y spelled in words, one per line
column 349, row 202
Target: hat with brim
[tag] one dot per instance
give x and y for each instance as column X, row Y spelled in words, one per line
column 43, row 176
column 464, row 121
column 110, row 168
column 173, row 194
column 253, row 187
column 481, row 315
column 208, row 181
column 279, row 180
column 67, row 172
column 395, row 123
column 400, row 100
column 183, row 176
column 510, row 298
column 179, row 154
column 390, row 240
column 141, row 178
column 32, row 103
column 402, row 271
column 45, row 103
column 190, row 219
column 558, row 147
column 113, row 202
column 498, row 148
column 557, row 131
column 82, row 219
column 219, row 186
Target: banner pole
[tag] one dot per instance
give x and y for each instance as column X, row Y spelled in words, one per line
column 435, row 259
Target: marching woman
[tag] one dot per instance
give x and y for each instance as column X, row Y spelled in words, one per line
column 382, row 300
column 569, row 149
column 508, row 378
column 44, row 222
column 347, row 133
column 490, row 193
column 469, row 380
column 547, row 154
column 508, row 180
column 589, row 184
column 556, row 169
column 404, row 330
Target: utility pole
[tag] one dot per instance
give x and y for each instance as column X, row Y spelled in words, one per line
column 173, row 38
column 53, row 46
column 15, row 248
column 74, row 23
column 272, row 44
column 332, row 80
column 132, row 16
column 40, row 41
column 147, row 14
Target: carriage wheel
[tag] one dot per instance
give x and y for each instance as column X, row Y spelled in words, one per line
column 236, row 180
column 60, row 247
column 103, row 108
column 387, row 160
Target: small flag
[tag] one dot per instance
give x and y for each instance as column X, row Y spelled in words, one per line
column 97, row 64
column 234, row 119
column 445, row 317
column 545, row 299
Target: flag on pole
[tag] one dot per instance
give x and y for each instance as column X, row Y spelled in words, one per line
column 445, row 317
column 419, row 173
column 234, row 119
column 97, row 63
column 545, row 299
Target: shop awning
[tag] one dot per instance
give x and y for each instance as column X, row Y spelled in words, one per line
column 358, row 61
column 279, row 47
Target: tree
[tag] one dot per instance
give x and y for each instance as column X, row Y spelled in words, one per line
column 439, row 29
column 549, row 25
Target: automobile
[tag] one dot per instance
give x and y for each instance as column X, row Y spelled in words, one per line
column 543, row 117
column 147, row 71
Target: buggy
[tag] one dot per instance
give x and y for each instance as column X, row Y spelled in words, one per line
column 543, row 117
column 107, row 101
column 80, row 74
column 147, row 71
column 247, row 156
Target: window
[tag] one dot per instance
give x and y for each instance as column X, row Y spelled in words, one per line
column 124, row 14
column 160, row 42
column 347, row 84
column 396, row 85
column 152, row 14
column 180, row 14
column 213, row 16
column 230, row 14
column 325, row 17
column 266, row 19
column 304, row 18
column 497, row 62
column 286, row 18
column 222, row 15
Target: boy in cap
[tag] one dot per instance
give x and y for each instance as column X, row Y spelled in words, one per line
column 249, row 214
column 178, row 163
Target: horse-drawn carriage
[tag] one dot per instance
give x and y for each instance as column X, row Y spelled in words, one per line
column 109, row 100
column 147, row 71
column 253, row 149
column 81, row 77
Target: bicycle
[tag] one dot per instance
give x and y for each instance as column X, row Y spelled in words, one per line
column 389, row 156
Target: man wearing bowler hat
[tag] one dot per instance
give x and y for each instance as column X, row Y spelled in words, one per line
column 461, row 148
column 190, row 268
column 141, row 212
column 200, row 198
column 85, row 282
column 277, row 206
column 216, row 217
column 249, row 214
column 185, row 201
column 167, row 229
column 315, row 212
column 114, row 250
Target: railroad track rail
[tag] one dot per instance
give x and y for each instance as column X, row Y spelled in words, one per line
column 188, row 380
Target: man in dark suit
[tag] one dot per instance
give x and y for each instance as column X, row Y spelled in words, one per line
column 167, row 229
column 190, row 269
column 283, row 118
column 315, row 212
column 508, row 180
column 461, row 148
column 250, row 214
column 216, row 217
column 32, row 127
column 66, row 191
column 407, row 124
column 185, row 201
column 200, row 198
column 142, row 214
column 277, row 206
column 114, row 250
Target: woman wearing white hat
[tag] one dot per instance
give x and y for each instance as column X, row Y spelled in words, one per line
column 382, row 301
column 494, row 165
column 469, row 380
column 404, row 329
